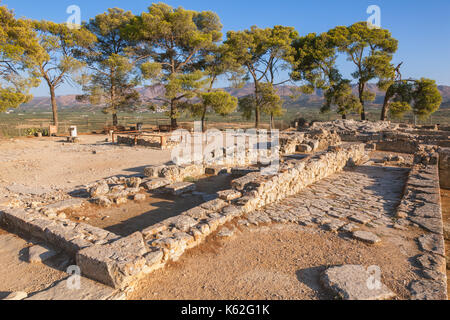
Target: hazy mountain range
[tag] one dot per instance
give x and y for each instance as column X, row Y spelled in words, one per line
column 151, row 93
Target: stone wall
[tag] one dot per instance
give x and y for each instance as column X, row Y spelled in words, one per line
column 421, row 204
column 120, row 263
column 444, row 167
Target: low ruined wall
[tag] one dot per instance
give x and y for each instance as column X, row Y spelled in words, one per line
column 122, row 262
column 68, row 236
column 444, row 167
column 421, row 204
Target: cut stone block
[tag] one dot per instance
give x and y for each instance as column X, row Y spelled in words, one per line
column 229, row 195
column 179, row 188
column 214, row 205
column 183, row 223
column 157, row 183
column 354, row 282
column 116, row 264
column 154, row 171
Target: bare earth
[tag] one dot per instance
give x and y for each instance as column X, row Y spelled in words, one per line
column 284, row 264
column 50, row 162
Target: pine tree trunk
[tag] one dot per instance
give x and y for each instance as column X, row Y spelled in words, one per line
column 344, row 117
column 271, row 121
column 115, row 120
column 257, row 117
column 54, row 106
column 363, row 110
column 173, row 112
column 204, row 121
column 384, row 111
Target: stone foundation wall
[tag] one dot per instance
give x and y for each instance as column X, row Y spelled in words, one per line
column 122, row 262
column 444, row 167
column 421, row 204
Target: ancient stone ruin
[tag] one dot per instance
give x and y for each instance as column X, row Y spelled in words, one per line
column 302, row 191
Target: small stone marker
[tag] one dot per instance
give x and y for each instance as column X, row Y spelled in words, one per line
column 354, row 282
column 39, row 254
column 366, row 236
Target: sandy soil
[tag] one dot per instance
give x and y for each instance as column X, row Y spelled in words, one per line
column 50, row 162
column 280, row 262
column 19, row 275
column 136, row 216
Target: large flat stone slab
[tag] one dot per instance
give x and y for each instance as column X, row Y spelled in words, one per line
column 366, row 236
column 87, row 290
column 180, row 188
column 354, row 282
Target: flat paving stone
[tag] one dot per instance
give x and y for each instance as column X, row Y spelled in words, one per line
column 354, row 282
column 366, row 236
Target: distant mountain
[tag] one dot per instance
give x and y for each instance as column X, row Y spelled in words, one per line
column 151, row 94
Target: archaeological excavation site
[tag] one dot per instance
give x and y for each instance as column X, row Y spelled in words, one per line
column 346, row 210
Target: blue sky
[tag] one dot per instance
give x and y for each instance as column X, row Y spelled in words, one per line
column 422, row 27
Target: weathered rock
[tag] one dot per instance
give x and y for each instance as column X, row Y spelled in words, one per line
column 153, row 172
column 354, row 282
column 304, row 148
column 157, row 183
column 183, row 223
column 116, row 264
column 229, row 195
column 180, row 187
column 99, row 190
column 432, row 243
column 120, row 200
column 366, row 236
column 428, row 290
column 139, row 197
column 39, row 254
column 134, row 182
column 103, row 201
column 214, row 205
column 225, row 233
